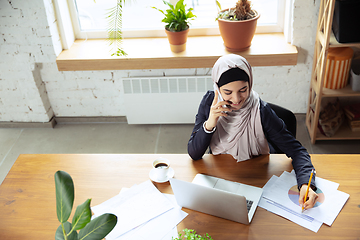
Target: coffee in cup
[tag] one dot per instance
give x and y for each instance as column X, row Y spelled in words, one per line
column 161, row 167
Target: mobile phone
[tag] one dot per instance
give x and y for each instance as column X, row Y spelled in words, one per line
column 220, row 99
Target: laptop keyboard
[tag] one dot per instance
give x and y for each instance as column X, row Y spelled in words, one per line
column 249, row 204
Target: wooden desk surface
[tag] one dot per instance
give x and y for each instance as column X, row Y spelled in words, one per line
column 28, row 207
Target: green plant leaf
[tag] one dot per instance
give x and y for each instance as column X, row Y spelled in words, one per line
column 176, row 18
column 170, row 5
column 114, row 18
column 99, row 227
column 179, row 5
column 119, row 53
column 64, row 195
column 59, row 232
column 82, row 215
column 218, row 5
column 158, row 10
column 191, row 234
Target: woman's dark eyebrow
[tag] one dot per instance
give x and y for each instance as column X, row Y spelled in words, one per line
column 227, row 90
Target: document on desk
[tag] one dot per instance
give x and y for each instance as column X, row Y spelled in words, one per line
column 281, row 196
column 274, row 207
column 159, row 227
column 142, row 210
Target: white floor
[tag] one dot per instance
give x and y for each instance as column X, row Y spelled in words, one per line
column 123, row 138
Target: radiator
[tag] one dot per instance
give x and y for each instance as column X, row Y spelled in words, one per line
column 164, row 100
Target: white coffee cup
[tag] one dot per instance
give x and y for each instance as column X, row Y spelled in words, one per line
column 161, row 167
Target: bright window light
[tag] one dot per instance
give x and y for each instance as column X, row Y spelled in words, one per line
column 140, row 19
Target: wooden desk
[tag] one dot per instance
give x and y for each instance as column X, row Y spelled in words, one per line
column 28, row 207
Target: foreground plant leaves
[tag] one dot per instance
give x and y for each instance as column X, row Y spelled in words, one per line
column 99, row 227
column 82, row 215
column 64, row 195
column 59, row 232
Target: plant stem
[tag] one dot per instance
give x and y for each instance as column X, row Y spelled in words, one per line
column 72, row 229
column 64, row 233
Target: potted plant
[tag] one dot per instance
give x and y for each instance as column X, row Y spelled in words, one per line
column 237, row 26
column 95, row 229
column 177, row 24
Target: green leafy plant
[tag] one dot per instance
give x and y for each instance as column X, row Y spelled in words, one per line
column 218, row 5
column 177, row 18
column 190, row 234
column 94, row 229
column 241, row 11
column 114, row 30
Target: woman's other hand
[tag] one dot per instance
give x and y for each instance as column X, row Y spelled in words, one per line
column 311, row 197
column 217, row 109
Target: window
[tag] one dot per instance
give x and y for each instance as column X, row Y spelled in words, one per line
column 140, row 20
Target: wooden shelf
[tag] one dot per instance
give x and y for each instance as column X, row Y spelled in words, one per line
column 343, row 133
column 325, row 39
column 154, row 53
column 334, row 43
column 343, row 92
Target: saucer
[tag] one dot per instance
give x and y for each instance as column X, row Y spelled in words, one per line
column 154, row 178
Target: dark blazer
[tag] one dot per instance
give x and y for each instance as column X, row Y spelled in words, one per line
column 275, row 132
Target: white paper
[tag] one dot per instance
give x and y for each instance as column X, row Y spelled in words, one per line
column 162, row 226
column 303, row 220
column 327, row 183
column 326, row 211
column 156, row 228
column 137, row 205
column 159, row 227
column 171, row 234
column 108, row 205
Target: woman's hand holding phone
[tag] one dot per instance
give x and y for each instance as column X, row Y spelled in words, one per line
column 217, row 109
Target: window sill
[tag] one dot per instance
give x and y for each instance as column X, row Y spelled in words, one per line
column 154, row 53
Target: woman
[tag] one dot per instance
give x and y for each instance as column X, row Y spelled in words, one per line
column 232, row 119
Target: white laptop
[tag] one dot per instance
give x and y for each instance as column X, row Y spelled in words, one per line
column 218, row 197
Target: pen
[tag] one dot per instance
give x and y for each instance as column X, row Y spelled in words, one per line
column 307, row 190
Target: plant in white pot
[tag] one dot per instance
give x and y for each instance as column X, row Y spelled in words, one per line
column 237, row 26
column 177, row 20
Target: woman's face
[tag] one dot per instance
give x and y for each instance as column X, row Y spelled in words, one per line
column 235, row 93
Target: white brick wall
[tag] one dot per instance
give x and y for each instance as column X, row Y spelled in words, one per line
column 33, row 90
column 25, row 40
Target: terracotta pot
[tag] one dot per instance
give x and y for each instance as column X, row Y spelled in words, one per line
column 237, row 35
column 177, row 40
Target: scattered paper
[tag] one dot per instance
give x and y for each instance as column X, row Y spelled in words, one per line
column 143, row 213
column 173, row 233
column 158, row 227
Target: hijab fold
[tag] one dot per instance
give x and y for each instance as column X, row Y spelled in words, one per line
column 240, row 133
